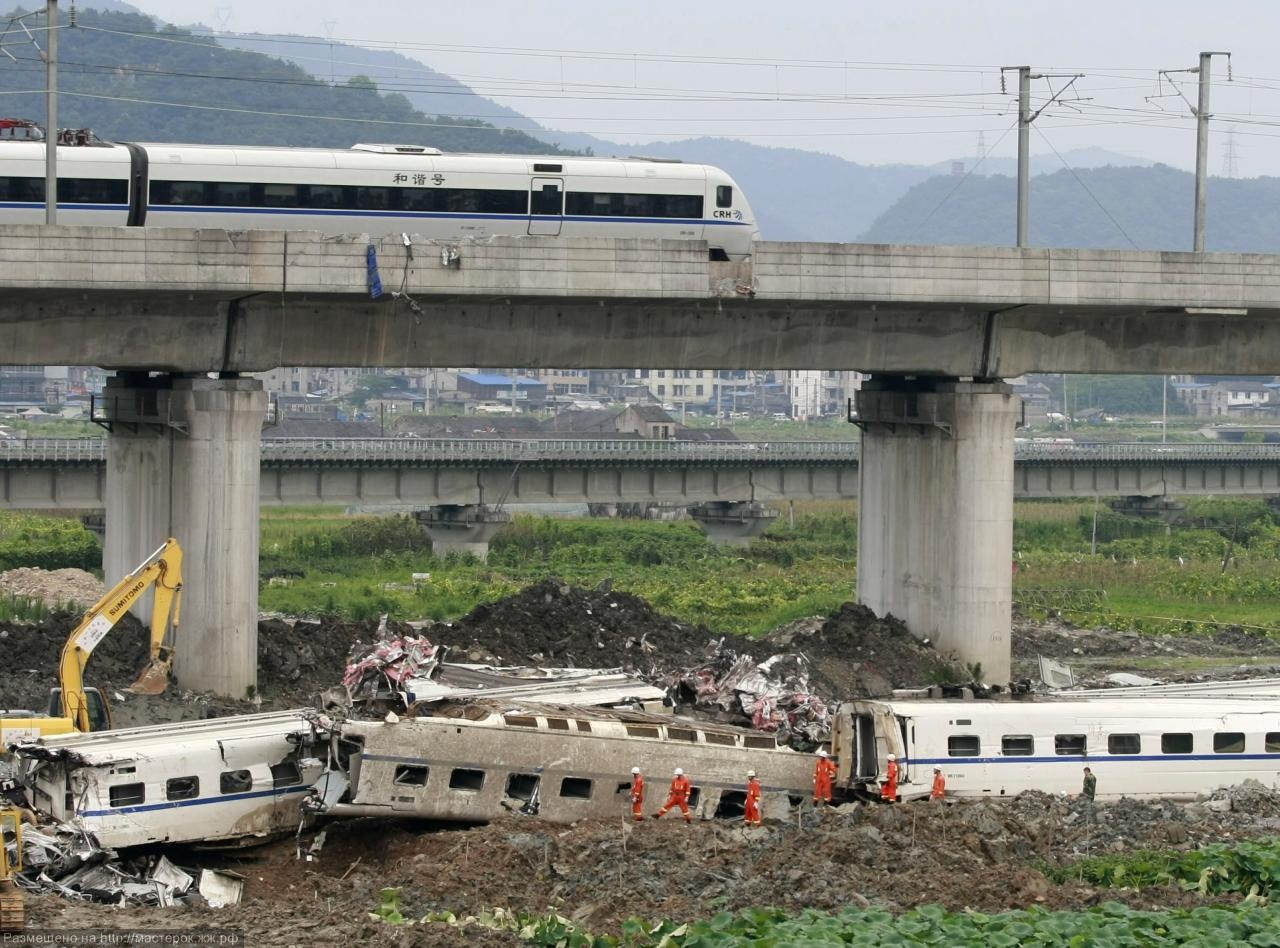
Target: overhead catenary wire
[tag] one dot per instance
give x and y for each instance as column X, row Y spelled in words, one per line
column 1087, row 190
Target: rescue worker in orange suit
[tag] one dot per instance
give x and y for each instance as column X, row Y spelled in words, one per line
column 678, row 796
column 752, row 815
column 889, row 793
column 939, row 790
column 637, row 795
column 824, row 771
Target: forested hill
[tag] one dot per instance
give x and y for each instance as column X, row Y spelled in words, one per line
column 128, row 81
column 1150, row 208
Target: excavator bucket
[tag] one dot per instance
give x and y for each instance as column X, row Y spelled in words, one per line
column 155, row 677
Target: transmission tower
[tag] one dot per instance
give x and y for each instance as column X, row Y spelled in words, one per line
column 1230, row 160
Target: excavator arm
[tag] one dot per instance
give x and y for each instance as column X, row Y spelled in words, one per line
column 163, row 570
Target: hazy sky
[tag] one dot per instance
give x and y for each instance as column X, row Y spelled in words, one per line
column 922, row 77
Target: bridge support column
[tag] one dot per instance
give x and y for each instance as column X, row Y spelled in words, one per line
column 935, row 525
column 183, row 460
column 462, row 528
column 732, row 523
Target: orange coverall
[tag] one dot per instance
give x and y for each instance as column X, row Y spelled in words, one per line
column 752, row 815
column 823, row 773
column 939, row 787
column 679, row 796
column 890, row 792
column 637, row 797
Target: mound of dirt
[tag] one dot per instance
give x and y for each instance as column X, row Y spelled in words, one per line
column 59, row 587
column 856, row 654
column 552, row 623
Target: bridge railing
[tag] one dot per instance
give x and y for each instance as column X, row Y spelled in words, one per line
column 635, row 450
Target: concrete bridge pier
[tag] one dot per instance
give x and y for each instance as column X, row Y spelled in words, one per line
column 935, row 525
column 183, row 460
column 462, row 528
column 732, row 523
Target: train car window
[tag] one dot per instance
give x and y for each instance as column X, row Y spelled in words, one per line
column 1069, row 744
column 643, row 730
column 1176, row 743
column 235, row 781
column 724, row 195
column 374, row 199
column 681, row 734
column 285, row 774
column 127, row 794
column 1228, row 742
column 1124, row 744
column 21, row 189
column 964, row 745
column 583, row 725
column 1272, row 745
column 759, row 742
column 182, row 788
column 548, row 199
column 519, row 720
column 727, row 740
column 547, row 169
column 92, row 191
column 522, row 786
column 409, row 775
column 178, row 192
column 324, row 196
column 280, row 195
column 577, row 788
column 232, row 194
column 592, row 204
column 557, row 724
column 463, row 779
column 1017, row 745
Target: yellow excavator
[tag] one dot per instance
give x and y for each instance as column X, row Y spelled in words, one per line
column 12, row 914
column 72, row 706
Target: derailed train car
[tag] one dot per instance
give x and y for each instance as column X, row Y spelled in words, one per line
column 219, row 781
column 472, row 762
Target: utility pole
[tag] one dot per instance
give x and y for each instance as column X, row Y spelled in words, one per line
column 51, row 115
column 1025, row 118
column 1201, row 112
column 1024, row 150
column 1202, row 144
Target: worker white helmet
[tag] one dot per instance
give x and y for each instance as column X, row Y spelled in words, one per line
column 821, row 752
column 893, row 756
column 679, row 772
column 937, row 770
column 751, row 773
column 635, row 770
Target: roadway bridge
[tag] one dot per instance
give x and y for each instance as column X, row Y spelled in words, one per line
column 412, row 473
column 938, row 327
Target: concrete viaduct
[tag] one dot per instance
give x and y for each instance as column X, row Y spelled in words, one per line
column 938, row 327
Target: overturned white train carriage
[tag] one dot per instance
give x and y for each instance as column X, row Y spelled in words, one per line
column 224, row 780
column 473, row 762
column 1169, row 745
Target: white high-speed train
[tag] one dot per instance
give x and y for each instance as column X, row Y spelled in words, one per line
column 378, row 189
column 1171, row 746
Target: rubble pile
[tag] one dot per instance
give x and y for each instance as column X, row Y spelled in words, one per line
column 985, row 855
column 857, row 654
column 553, row 623
column 69, row 865
column 773, row 695
column 55, row 588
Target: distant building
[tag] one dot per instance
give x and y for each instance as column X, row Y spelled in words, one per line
column 528, row 394
column 1229, row 397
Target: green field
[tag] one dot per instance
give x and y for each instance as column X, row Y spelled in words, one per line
column 1219, row 565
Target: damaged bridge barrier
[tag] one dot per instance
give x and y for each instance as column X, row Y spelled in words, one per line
column 935, row 525
column 183, row 458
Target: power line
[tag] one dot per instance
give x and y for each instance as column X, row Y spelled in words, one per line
column 1087, row 191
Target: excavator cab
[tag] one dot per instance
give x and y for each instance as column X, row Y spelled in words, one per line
column 99, row 710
